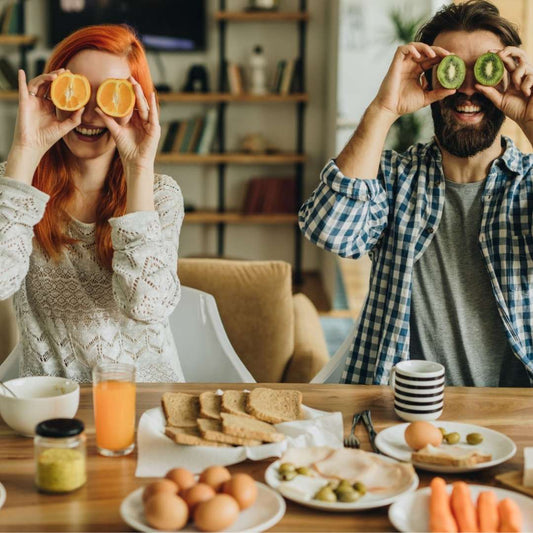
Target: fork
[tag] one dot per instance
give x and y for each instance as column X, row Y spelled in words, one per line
column 351, row 441
column 367, row 421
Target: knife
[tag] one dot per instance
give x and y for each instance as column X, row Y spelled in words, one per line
column 367, row 421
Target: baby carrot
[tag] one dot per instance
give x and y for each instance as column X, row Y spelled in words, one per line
column 441, row 519
column 510, row 516
column 463, row 507
column 487, row 512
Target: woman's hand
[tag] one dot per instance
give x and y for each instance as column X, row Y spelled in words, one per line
column 37, row 128
column 136, row 137
column 402, row 90
column 516, row 100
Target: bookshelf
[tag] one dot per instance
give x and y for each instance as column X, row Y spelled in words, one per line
column 214, row 98
column 232, row 158
column 19, row 39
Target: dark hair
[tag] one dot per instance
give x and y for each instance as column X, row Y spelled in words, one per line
column 470, row 16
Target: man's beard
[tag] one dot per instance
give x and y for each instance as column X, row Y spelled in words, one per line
column 465, row 140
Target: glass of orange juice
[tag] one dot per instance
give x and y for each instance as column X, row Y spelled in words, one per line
column 114, row 408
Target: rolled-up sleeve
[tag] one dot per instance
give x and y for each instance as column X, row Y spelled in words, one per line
column 344, row 215
column 145, row 281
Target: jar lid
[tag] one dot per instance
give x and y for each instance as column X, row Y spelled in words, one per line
column 58, row 428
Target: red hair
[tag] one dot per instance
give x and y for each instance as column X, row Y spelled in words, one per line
column 54, row 172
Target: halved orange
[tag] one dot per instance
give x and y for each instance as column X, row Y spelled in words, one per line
column 70, row 92
column 115, row 97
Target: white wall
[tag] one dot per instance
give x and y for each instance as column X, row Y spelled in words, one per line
column 276, row 121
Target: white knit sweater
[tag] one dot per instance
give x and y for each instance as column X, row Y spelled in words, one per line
column 74, row 313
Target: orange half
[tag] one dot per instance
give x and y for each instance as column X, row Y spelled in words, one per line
column 116, row 98
column 70, row 92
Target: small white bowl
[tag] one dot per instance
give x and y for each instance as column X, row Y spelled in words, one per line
column 38, row 398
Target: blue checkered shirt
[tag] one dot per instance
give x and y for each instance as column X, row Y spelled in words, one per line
column 393, row 219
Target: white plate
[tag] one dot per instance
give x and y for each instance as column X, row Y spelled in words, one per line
column 267, row 510
column 391, row 441
column 2, row 495
column 411, row 511
column 368, row 501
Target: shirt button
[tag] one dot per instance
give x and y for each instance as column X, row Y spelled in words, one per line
column 429, row 230
column 437, row 183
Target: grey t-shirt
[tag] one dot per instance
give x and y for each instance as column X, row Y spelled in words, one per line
column 454, row 315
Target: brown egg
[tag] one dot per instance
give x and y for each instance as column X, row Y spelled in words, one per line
column 182, row 477
column 216, row 514
column 215, row 476
column 166, row 511
column 198, row 493
column 161, row 485
column 243, row 488
column 420, row 433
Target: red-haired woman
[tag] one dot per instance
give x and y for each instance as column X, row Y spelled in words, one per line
column 88, row 233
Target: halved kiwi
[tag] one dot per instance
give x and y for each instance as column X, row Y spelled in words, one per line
column 451, row 72
column 489, row 69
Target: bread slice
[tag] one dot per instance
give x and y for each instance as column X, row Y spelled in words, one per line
column 234, row 402
column 210, row 405
column 250, row 428
column 190, row 437
column 181, row 409
column 450, row 456
column 274, row 406
column 212, row 430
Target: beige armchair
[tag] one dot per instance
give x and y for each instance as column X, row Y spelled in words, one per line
column 277, row 335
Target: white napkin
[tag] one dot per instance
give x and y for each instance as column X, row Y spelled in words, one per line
column 157, row 454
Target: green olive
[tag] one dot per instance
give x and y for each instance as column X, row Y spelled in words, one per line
column 360, row 488
column 287, row 476
column 286, row 467
column 452, row 438
column 348, row 495
column 333, row 484
column 443, row 431
column 304, row 471
column 325, row 494
column 474, row 438
column 344, row 485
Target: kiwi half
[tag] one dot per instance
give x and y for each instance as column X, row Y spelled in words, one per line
column 489, row 69
column 451, row 72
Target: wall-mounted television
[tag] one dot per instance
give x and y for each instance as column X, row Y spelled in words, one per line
column 173, row 25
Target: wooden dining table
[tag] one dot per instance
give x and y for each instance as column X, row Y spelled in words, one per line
column 95, row 507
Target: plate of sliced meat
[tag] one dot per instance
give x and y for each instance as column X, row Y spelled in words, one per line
column 340, row 479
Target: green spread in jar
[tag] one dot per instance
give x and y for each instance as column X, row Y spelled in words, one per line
column 60, row 470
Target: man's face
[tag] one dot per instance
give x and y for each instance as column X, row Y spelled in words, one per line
column 467, row 122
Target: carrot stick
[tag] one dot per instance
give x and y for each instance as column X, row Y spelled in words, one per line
column 487, row 512
column 510, row 516
column 441, row 519
column 463, row 507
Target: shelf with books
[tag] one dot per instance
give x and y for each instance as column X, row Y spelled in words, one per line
column 9, row 96
column 236, row 217
column 231, row 158
column 17, row 40
column 262, row 16
column 213, row 98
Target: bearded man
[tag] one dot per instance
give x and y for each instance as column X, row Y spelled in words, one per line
column 448, row 225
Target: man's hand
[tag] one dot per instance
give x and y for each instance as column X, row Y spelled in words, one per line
column 403, row 90
column 515, row 100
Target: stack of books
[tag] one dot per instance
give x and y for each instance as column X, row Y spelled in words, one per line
column 235, row 78
column 288, row 77
column 192, row 136
column 11, row 18
column 8, row 75
column 270, row 195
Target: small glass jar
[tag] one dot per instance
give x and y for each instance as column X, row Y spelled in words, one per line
column 60, row 455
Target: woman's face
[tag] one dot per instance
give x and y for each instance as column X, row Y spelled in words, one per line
column 91, row 138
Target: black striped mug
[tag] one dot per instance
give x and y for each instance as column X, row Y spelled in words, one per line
column 418, row 388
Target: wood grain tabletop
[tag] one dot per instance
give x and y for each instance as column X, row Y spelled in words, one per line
column 95, row 507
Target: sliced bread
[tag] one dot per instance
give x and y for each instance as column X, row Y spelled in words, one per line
column 274, row 406
column 450, row 456
column 250, row 428
column 181, row 409
column 234, row 402
column 210, row 405
column 212, row 430
column 190, row 437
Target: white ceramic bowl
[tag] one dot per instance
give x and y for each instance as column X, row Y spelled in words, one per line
column 38, row 398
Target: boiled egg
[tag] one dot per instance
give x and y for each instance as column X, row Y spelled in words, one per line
column 166, row 511
column 161, row 485
column 216, row 514
column 215, row 476
column 243, row 488
column 198, row 493
column 183, row 478
column 421, row 433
